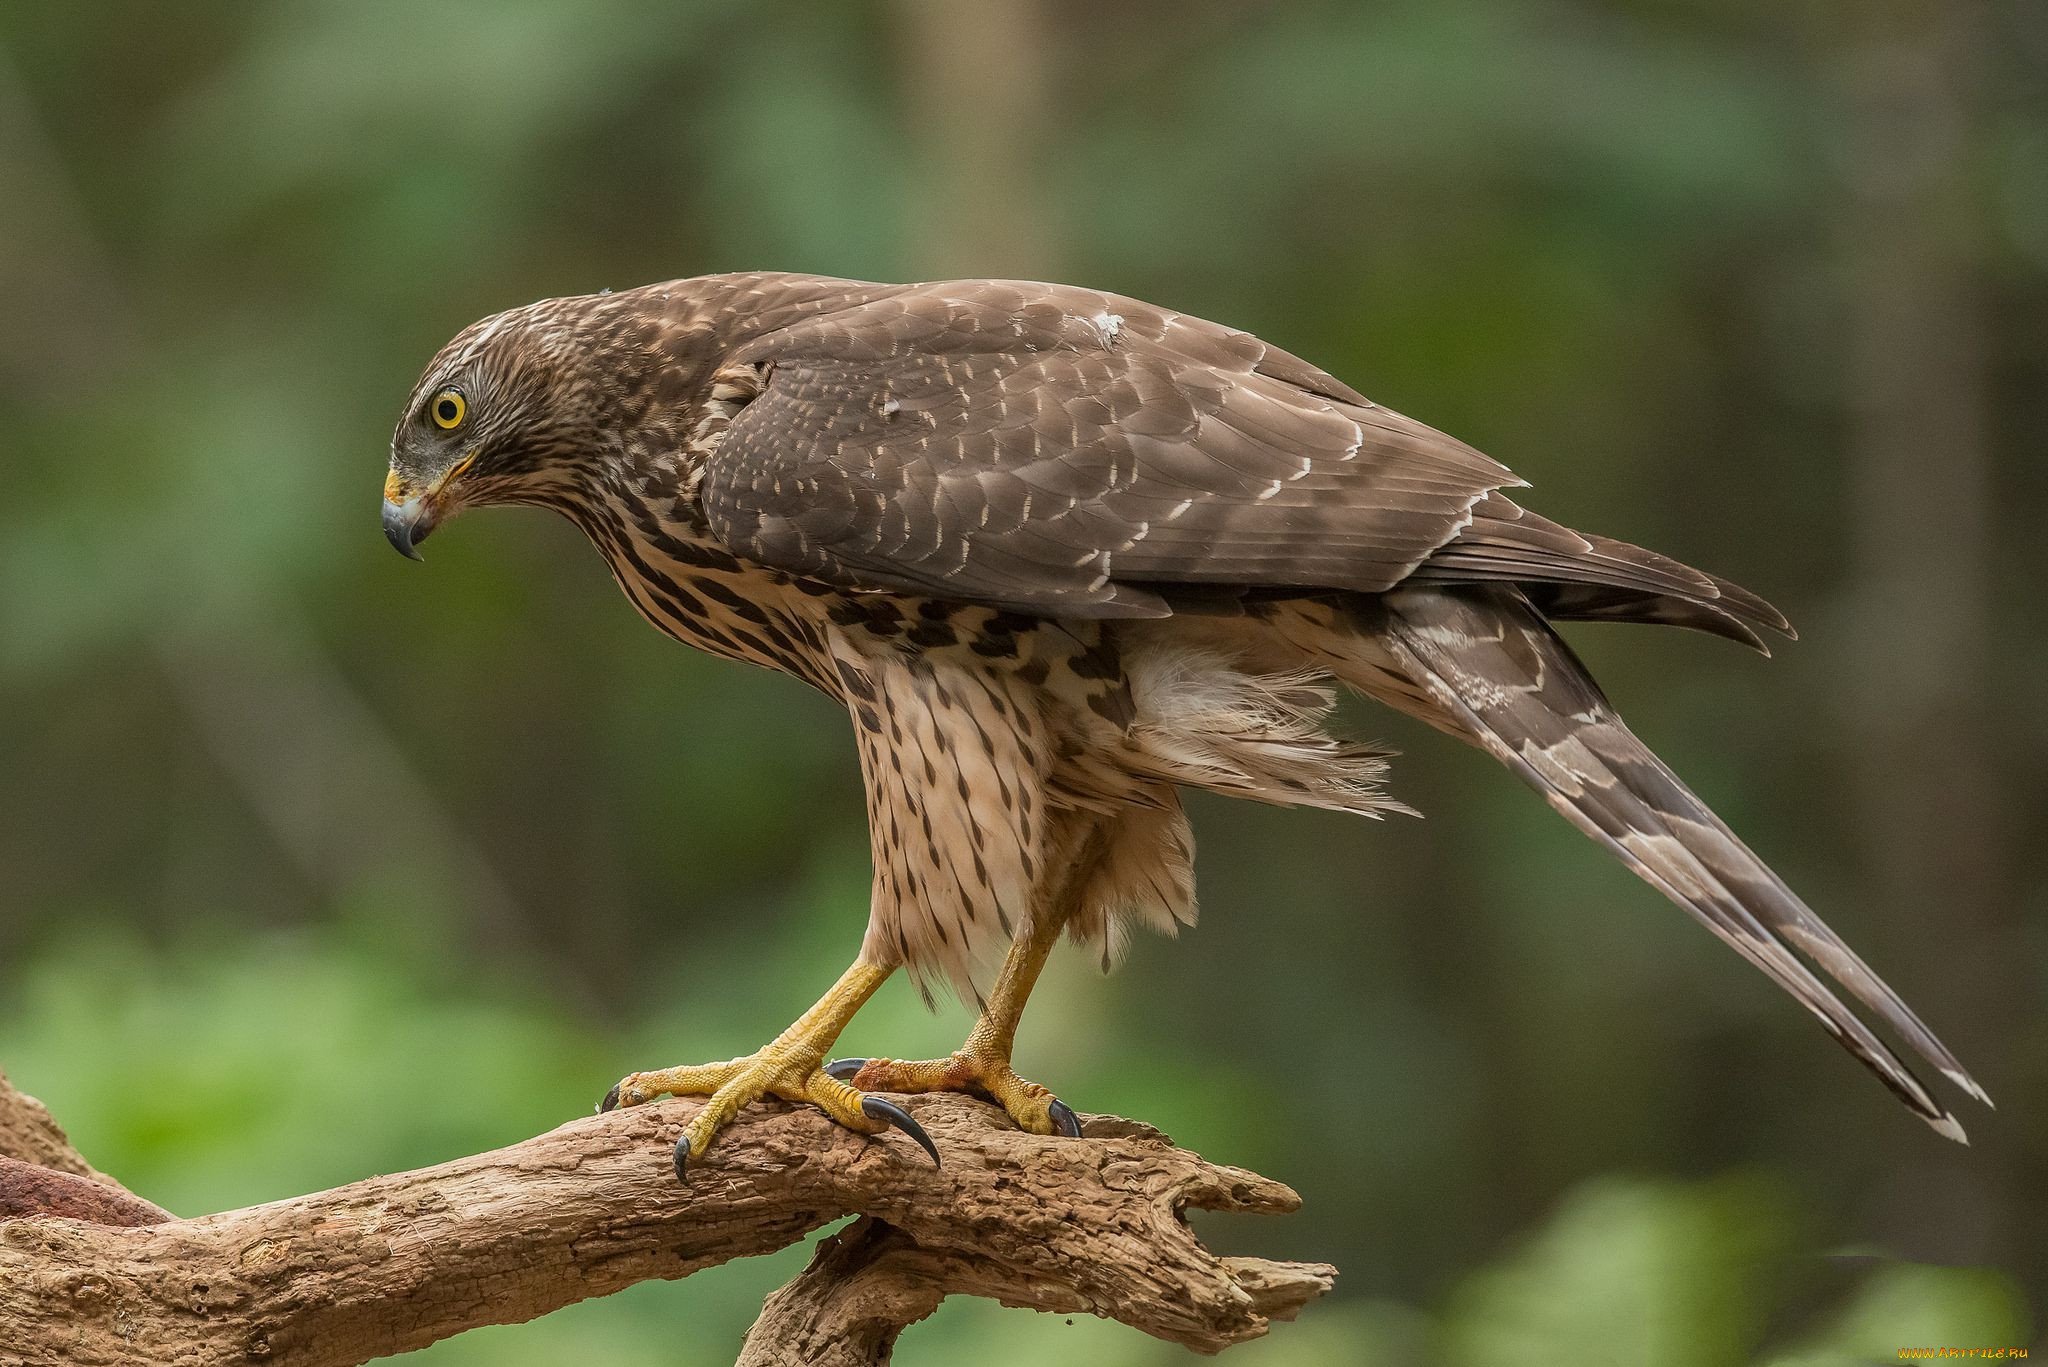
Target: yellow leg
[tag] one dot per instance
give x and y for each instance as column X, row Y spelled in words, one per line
column 788, row 1067
column 982, row 1064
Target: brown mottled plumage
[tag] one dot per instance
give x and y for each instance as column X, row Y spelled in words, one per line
column 1061, row 554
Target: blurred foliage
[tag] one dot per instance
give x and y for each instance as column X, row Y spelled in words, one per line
column 315, row 863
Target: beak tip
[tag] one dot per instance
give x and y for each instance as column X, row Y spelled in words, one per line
column 405, row 526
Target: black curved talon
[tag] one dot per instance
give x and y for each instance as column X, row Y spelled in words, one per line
column 611, row 1100
column 889, row 1113
column 1064, row 1121
column 683, row 1160
column 845, row 1068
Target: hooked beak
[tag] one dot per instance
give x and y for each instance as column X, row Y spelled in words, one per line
column 406, row 524
column 410, row 515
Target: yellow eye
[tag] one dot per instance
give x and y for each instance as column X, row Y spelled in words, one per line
column 448, row 409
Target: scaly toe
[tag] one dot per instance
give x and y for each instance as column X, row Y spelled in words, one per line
column 704, row 1079
column 747, row 1084
column 858, row 1111
column 1031, row 1106
column 986, row 1077
column 841, row 1102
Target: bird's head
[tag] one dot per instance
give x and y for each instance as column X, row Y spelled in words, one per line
column 526, row 406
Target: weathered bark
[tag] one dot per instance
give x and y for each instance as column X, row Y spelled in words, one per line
column 394, row 1263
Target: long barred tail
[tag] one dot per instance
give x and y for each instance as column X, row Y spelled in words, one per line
column 1490, row 662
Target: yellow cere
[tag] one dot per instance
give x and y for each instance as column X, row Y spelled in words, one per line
column 448, row 409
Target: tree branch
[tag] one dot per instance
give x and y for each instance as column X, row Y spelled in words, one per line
column 394, row 1263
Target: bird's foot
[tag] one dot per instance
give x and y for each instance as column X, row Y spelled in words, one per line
column 783, row 1069
column 981, row 1074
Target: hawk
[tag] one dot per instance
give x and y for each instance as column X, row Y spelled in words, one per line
column 1062, row 554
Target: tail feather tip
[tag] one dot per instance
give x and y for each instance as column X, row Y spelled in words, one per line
column 1969, row 1085
column 1947, row 1127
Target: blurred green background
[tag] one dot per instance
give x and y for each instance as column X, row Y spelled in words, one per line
column 315, row 863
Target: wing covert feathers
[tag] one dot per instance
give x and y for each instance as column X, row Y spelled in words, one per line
column 1047, row 449
column 1491, row 663
column 1041, row 448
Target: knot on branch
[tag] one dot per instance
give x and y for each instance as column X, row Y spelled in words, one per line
column 26, row 1189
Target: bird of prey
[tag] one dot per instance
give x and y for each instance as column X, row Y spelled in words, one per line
column 1062, row 554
